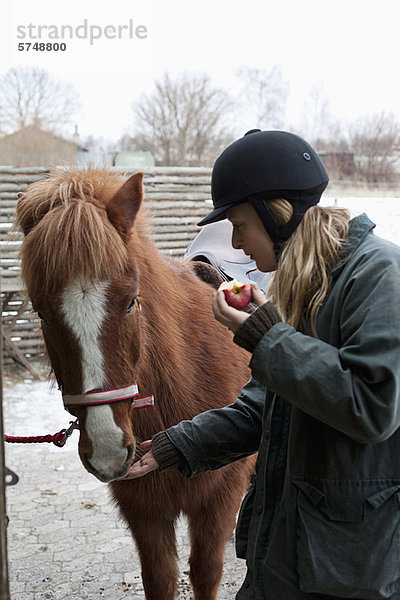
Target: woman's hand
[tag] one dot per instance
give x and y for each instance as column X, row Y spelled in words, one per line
column 231, row 317
column 145, row 465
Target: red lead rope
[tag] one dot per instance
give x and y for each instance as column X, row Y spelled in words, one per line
column 59, row 439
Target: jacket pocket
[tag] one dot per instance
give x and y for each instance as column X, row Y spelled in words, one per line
column 348, row 539
column 243, row 524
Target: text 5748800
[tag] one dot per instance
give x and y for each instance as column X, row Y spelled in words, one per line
column 42, row 47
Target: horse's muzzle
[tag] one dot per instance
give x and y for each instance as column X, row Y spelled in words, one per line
column 110, row 473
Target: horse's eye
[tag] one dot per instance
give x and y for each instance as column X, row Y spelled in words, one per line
column 43, row 319
column 131, row 306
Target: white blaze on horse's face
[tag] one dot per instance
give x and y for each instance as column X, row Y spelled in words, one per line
column 84, row 310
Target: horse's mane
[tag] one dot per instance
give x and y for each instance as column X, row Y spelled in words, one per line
column 67, row 231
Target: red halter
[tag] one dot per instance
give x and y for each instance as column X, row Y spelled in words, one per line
column 87, row 399
column 108, row 397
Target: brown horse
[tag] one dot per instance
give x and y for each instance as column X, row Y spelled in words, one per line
column 117, row 313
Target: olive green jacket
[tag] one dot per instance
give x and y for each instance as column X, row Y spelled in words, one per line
column 322, row 517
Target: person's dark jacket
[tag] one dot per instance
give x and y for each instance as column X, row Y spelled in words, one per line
column 322, row 518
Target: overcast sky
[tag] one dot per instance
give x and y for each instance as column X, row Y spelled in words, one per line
column 349, row 46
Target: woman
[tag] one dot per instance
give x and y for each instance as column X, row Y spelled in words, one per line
column 322, row 517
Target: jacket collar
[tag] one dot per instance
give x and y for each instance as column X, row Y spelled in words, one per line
column 359, row 227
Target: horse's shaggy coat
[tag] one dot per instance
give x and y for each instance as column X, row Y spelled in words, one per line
column 115, row 311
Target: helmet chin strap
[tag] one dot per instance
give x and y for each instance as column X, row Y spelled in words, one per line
column 266, row 219
column 270, row 226
column 279, row 235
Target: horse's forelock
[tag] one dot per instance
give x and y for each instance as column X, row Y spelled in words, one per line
column 73, row 189
column 71, row 236
column 61, row 187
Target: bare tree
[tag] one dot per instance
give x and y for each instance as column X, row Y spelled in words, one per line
column 317, row 122
column 183, row 121
column 99, row 151
column 265, row 95
column 366, row 149
column 375, row 141
column 32, row 96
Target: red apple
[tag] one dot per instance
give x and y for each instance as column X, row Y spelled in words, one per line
column 237, row 294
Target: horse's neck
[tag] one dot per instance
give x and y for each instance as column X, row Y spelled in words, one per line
column 163, row 291
column 159, row 277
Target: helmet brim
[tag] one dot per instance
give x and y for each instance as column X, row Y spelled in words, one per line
column 218, row 214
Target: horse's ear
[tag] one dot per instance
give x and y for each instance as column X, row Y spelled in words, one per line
column 25, row 220
column 124, row 205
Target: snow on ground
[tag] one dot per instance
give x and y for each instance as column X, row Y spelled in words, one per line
column 38, row 409
column 384, row 212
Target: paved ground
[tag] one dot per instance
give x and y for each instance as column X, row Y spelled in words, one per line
column 65, row 541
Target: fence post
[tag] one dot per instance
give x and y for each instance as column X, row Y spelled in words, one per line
column 4, row 587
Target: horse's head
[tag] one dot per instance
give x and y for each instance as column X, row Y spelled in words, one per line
column 78, row 268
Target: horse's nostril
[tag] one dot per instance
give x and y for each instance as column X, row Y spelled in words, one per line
column 129, row 452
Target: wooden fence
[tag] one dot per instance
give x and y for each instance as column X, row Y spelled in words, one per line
column 176, row 198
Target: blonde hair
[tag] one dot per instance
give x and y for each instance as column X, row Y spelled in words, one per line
column 303, row 276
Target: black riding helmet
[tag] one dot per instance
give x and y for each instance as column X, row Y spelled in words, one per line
column 263, row 165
